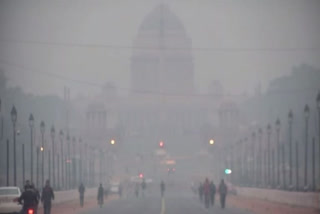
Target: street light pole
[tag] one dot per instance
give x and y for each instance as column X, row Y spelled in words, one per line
column 42, row 129
column 297, row 165
column 253, row 172
column 31, row 124
column 14, row 120
column 260, row 156
column 268, row 165
column 86, row 162
column 49, row 164
column 313, row 165
column 74, row 169
column 38, row 150
column 8, row 159
column 23, row 171
column 290, row 120
column 68, row 166
column 80, row 160
column 278, row 151
column 61, row 134
column 307, row 114
column 53, row 132
column 318, row 107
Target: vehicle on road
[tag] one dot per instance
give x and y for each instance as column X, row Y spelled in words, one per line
column 171, row 170
column 114, row 188
column 9, row 200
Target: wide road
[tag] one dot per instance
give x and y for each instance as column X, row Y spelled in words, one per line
column 172, row 203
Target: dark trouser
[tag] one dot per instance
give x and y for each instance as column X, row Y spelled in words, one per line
column 47, row 207
column 100, row 201
column 207, row 200
column 212, row 199
column 81, row 200
column 223, row 200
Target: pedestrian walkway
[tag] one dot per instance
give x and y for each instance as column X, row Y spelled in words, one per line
column 72, row 207
column 258, row 206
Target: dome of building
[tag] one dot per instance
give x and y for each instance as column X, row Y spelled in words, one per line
column 162, row 20
column 165, row 61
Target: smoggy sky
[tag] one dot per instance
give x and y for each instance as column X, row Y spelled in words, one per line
column 247, row 42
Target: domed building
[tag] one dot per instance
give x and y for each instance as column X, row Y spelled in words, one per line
column 162, row 60
column 163, row 105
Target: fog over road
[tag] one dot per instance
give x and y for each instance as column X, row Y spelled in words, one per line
column 175, row 201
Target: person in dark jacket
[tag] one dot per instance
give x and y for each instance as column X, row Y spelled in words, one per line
column 46, row 197
column 223, row 190
column 28, row 198
column 100, row 196
column 212, row 192
column 81, row 189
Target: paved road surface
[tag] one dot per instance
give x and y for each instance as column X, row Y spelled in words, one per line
column 171, row 204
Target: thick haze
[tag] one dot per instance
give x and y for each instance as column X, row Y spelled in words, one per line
column 246, row 42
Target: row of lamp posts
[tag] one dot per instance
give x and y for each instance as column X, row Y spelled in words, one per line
column 65, row 177
column 272, row 177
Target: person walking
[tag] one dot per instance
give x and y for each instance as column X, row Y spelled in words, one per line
column 46, row 197
column 162, row 188
column 212, row 192
column 143, row 187
column 100, row 196
column 223, row 193
column 81, row 190
column 206, row 192
column 136, row 190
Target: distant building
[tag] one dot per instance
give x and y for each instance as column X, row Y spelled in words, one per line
column 163, row 105
column 163, row 61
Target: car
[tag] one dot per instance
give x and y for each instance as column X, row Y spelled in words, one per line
column 115, row 188
column 171, row 170
column 9, row 200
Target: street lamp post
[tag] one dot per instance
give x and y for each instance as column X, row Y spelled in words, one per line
column 297, row 166
column 31, row 125
column 80, row 160
column 37, row 173
column 68, row 166
column 290, row 120
column 306, row 114
column 253, row 172
column 14, row 120
column 42, row 129
column 278, row 151
column 58, row 169
column 268, row 144
column 240, row 174
column 313, row 164
column 53, row 133
column 272, row 167
column 23, row 171
column 8, row 160
column 86, row 162
column 318, row 107
column 62, row 162
column 260, row 156
column 49, row 164
column 74, row 170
